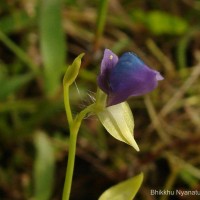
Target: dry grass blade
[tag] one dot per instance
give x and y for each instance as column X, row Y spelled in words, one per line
column 169, row 106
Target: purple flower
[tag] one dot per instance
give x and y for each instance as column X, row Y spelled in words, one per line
column 125, row 77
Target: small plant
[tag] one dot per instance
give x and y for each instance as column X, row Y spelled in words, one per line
column 119, row 79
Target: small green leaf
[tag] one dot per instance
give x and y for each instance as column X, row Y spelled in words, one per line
column 43, row 168
column 125, row 190
column 118, row 121
column 72, row 71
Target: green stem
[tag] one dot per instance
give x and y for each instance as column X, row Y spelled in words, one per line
column 70, row 164
column 74, row 128
column 67, row 104
column 83, row 113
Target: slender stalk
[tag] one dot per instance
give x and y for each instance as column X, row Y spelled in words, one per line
column 83, row 113
column 74, row 123
column 70, row 164
column 72, row 145
column 74, row 128
column 67, row 104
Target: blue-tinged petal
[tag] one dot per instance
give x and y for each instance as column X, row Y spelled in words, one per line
column 108, row 62
column 131, row 77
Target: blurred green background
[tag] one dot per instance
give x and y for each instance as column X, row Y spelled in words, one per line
column 38, row 39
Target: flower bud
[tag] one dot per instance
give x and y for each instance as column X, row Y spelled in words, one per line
column 72, row 71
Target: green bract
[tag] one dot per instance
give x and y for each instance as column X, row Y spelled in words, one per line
column 118, row 121
column 72, row 71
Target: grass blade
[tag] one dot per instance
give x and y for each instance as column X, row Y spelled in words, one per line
column 52, row 43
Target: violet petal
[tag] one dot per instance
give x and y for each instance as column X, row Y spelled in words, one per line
column 130, row 77
column 108, row 62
